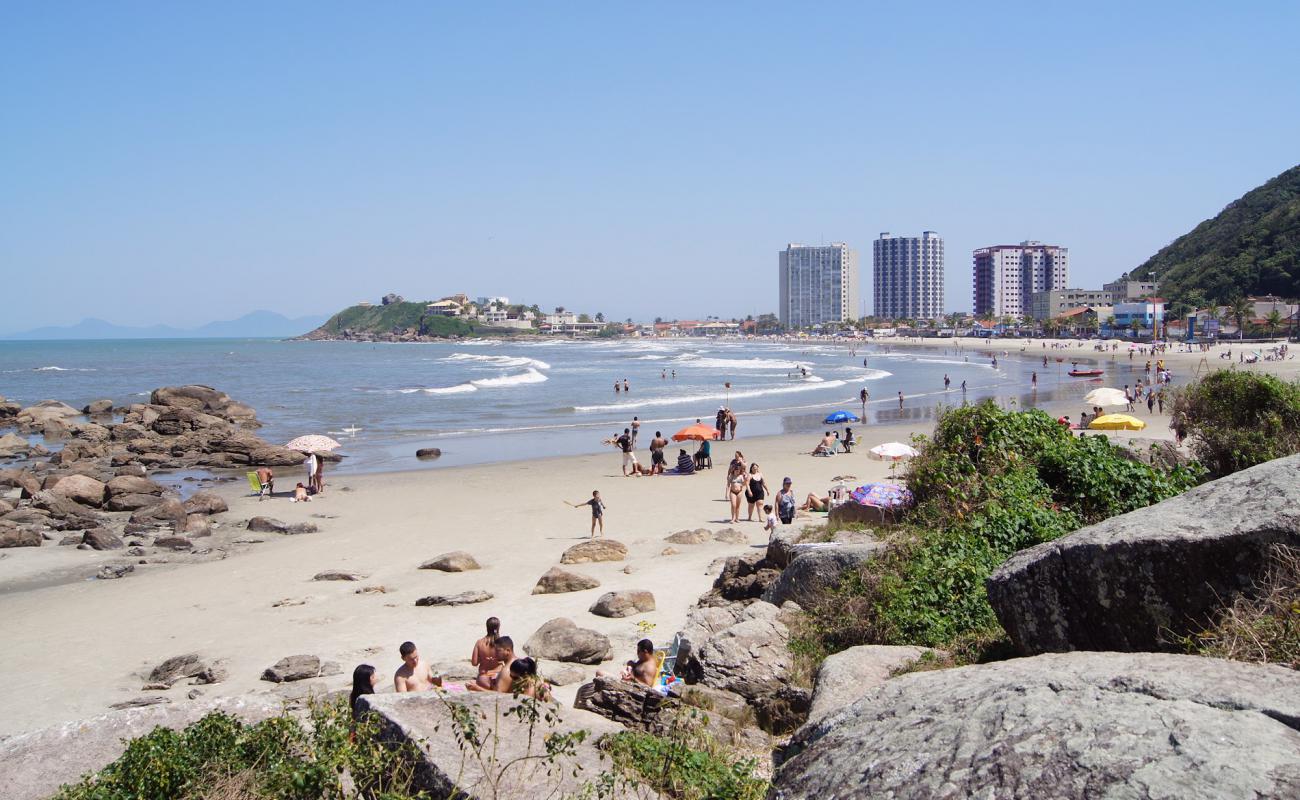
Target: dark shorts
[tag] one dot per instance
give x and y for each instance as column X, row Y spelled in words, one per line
column 657, row 457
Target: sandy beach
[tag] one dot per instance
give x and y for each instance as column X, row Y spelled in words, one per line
column 76, row 648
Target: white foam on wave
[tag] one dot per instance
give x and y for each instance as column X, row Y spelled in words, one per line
column 529, row 375
column 982, row 362
column 704, row 362
column 63, row 369
column 702, row 398
column 499, row 361
column 649, row 358
column 460, row 388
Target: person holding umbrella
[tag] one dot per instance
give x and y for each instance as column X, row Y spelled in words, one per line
column 312, row 464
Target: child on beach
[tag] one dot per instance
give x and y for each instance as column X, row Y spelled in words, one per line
column 597, row 512
column 770, row 524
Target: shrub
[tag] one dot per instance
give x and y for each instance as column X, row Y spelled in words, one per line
column 1264, row 627
column 990, row 482
column 1234, row 420
column 686, row 763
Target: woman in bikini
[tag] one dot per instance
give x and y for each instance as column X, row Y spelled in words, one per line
column 736, row 488
column 485, row 655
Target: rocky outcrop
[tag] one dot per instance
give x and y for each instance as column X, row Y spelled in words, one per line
column 1141, row 580
column 697, row 536
column 18, row 537
column 14, row 446
column 80, row 489
column 559, row 581
column 100, row 539
column 629, row 704
column 459, row 599
column 98, row 407
column 168, row 511
column 205, row 502
column 745, row 577
column 36, row 417
column 1067, row 726
column 752, row 658
column 132, row 484
column 623, row 603
column 594, row 550
column 188, row 665
column 562, row 640
column 815, row 572
column 299, row 668
column 34, row 765
column 443, row 769
column 455, row 561
column 845, row 676
column 270, row 525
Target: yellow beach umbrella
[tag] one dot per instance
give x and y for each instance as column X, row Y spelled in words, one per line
column 1117, row 422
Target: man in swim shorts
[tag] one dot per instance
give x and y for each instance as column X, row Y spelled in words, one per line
column 624, row 443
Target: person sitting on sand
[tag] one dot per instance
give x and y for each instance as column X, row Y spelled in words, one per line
column 597, row 512
column 524, row 680
column 685, row 464
column 643, row 670
column 504, row 649
column 415, row 674
column 826, row 446
column 815, row 503
column 300, row 494
column 485, row 655
column 266, row 477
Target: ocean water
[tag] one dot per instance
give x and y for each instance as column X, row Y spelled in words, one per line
column 484, row 401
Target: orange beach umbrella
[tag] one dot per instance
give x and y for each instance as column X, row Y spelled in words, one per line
column 699, row 432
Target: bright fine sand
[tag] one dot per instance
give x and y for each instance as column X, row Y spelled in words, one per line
column 75, row 648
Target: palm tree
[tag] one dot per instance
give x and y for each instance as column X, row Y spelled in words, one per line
column 1273, row 320
column 1135, row 325
column 1240, row 309
column 1110, row 324
column 600, row 316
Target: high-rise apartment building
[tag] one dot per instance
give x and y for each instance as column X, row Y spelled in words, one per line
column 1008, row 275
column 819, row 284
column 908, row 275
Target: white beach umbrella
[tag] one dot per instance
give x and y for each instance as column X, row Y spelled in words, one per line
column 1105, row 397
column 311, row 443
column 893, row 451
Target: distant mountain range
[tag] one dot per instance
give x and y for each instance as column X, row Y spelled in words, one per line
column 256, row 324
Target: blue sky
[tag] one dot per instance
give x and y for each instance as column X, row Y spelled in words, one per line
column 176, row 162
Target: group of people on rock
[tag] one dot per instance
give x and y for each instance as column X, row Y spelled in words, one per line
column 500, row 669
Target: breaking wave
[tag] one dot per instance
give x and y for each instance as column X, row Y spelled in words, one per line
column 704, row 398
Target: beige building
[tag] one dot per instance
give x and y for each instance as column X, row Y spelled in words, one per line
column 1055, row 302
column 1006, row 276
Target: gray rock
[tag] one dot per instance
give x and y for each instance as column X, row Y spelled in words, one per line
column 623, row 603
column 34, row 765
column 80, row 489
column 100, row 539
column 558, row 673
column 214, row 673
column 338, row 575
column 730, row 536
column 428, row 452
column 1141, row 580
column 561, row 640
column 197, row 525
column 98, row 407
column 18, row 537
column 132, row 484
column 752, row 658
column 443, row 769
column 629, row 704
column 173, row 543
column 205, row 502
column 594, row 550
column 697, row 536
column 744, row 577
column 455, row 561
column 177, row 667
column 295, row 668
column 269, row 525
column 110, row 572
column 559, row 581
column 850, row 674
column 14, row 446
column 130, row 502
column 1067, row 726
column 814, row 573
column 168, row 511
column 459, row 599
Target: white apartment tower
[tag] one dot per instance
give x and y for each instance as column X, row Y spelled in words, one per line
column 1007, row 276
column 818, row 284
column 908, row 275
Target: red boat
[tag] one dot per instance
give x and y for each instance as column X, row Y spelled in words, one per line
column 1085, row 373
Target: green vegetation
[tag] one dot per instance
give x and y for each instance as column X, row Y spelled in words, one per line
column 1252, row 247
column 1264, row 628
column 1234, row 420
column 280, row 758
column 687, row 764
column 991, row 482
column 402, row 318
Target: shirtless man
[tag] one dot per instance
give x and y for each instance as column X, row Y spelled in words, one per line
column 415, row 674
column 826, row 445
column 643, row 670
column 657, row 446
column 266, row 477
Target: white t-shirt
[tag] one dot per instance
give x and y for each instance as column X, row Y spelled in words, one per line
column 311, row 465
column 771, row 522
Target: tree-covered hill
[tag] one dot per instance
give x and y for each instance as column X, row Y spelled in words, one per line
column 1251, row 248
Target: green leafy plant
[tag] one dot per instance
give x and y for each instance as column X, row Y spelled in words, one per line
column 685, row 763
column 1233, row 420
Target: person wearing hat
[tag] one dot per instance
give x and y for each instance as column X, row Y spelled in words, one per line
column 785, row 502
column 721, row 421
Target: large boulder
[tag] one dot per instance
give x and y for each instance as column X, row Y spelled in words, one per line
column 745, row 577
column 562, row 640
column 80, row 489
column 442, row 768
column 752, row 658
column 206, row 502
column 132, row 484
column 814, row 573
column 100, row 539
column 559, row 581
column 623, row 603
column 98, row 407
column 697, row 536
column 34, row 765
column 14, row 446
column 630, row 704
column 1142, row 580
column 18, row 537
column 458, row 599
column 70, row 512
column 188, row 665
column 299, row 668
column 455, row 561
column 194, row 398
column 1066, row 726
column 168, row 511
column 271, row 525
column 594, row 550
column 130, row 502
column 37, row 416
column 845, row 676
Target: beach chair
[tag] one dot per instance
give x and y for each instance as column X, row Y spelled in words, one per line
column 256, row 486
column 665, row 675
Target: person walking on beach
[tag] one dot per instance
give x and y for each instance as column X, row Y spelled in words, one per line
column 946, row 381
column 624, row 443
column 1033, row 380
column 863, row 395
column 1160, row 400
column 756, row 491
column 597, row 512
column 636, row 428
column 900, row 401
column 731, row 423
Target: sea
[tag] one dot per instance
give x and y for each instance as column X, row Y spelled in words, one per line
column 491, row 400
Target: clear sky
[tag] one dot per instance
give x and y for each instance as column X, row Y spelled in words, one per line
column 181, row 162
